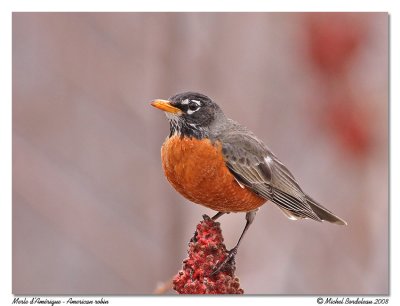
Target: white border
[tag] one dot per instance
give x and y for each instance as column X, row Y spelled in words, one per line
column 203, row 5
column 8, row 6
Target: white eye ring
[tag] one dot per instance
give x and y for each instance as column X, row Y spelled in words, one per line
column 192, row 111
column 193, row 106
column 196, row 101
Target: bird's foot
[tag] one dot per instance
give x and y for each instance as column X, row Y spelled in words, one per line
column 194, row 237
column 228, row 264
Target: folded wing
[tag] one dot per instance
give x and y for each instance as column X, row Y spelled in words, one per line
column 255, row 167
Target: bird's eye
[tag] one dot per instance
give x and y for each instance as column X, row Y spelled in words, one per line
column 193, row 106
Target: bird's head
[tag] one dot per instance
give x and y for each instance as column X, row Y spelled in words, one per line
column 189, row 113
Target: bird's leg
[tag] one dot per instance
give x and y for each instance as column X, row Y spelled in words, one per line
column 215, row 217
column 232, row 253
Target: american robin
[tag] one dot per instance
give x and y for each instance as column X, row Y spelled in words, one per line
column 216, row 162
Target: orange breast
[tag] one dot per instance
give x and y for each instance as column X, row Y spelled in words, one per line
column 196, row 169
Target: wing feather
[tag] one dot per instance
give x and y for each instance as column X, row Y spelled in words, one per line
column 254, row 166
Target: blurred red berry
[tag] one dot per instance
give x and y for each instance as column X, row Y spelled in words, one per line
column 349, row 125
column 334, row 39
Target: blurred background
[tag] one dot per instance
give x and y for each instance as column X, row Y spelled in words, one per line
column 92, row 210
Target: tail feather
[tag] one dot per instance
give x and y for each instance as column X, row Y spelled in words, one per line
column 323, row 213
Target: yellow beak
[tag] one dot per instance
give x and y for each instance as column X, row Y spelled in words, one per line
column 166, row 106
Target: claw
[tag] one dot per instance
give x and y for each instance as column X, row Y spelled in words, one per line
column 227, row 264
